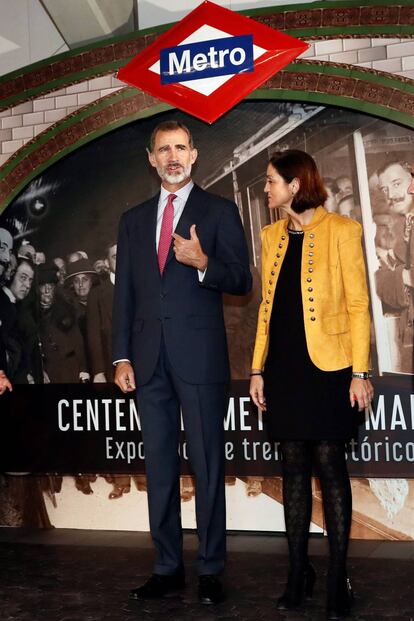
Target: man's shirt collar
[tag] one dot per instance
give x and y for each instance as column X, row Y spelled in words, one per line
column 183, row 193
column 10, row 295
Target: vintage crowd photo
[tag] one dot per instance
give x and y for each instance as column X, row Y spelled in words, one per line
column 56, row 291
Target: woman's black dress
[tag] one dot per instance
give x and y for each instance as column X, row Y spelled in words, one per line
column 303, row 402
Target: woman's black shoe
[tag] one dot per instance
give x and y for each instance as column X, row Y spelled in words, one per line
column 340, row 599
column 299, row 588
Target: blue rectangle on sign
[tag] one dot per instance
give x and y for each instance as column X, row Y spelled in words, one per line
column 207, row 59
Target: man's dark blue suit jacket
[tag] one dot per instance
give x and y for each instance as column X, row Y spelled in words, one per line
column 187, row 312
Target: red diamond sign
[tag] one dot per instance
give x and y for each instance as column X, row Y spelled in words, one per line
column 210, row 60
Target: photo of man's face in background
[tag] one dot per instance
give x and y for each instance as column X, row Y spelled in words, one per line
column 6, row 245
column 394, row 182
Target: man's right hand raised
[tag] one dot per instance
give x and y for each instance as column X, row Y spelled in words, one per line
column 124, row 377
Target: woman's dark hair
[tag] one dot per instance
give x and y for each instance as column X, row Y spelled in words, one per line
column 294, row 163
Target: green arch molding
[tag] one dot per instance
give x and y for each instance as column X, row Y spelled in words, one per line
column 372, row 92
column 317, row 20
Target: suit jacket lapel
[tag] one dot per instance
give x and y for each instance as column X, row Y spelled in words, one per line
column 147, row 224
column 193, row 212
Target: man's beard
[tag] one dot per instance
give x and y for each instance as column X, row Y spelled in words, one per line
column 174, row 178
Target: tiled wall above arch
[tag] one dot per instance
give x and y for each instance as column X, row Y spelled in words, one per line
column 359, row 57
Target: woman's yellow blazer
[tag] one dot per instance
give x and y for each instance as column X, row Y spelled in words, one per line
column 334, row 291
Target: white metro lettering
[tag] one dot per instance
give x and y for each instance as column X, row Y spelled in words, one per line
column 213, row 59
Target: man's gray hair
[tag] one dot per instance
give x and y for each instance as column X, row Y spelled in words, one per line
column 169, row 126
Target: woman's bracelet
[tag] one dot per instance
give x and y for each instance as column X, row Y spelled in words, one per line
column 255, row 373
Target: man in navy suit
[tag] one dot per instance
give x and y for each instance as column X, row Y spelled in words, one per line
column 177, row 254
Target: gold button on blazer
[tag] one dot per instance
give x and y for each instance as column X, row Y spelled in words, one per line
column 334, row 291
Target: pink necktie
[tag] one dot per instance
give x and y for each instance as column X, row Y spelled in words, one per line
column 166, row 232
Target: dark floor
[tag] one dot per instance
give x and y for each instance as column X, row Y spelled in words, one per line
column 64, row 575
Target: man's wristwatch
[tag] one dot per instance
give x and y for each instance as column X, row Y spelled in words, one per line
column 360, row 375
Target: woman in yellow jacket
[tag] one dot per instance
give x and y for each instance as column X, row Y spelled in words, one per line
column 310, row 363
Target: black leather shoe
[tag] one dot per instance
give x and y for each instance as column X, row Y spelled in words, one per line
column 210, row 590
column 158, row 586
column 299, row 588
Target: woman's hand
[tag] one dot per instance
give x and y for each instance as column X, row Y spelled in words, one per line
column 5, row 383
column 256, row 392
column 361, row 391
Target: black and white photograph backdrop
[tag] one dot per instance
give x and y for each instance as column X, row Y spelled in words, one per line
column 71, row 427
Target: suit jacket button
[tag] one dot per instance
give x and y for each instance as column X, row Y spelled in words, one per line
column 309, row 280
column 273, row 272
column 311, row 245
column 313, row 318
column 312, row 310
column 310, row 269
column 283, row 237
column 280, row 245
column 310, row 289
column 312, row 235
column 310, row 299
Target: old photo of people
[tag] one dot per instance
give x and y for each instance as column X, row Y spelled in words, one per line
column 57, row 283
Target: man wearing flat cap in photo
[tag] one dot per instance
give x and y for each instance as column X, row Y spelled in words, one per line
column 99, row 321
column 57, row 349
column 6, row 247
column 177, row 254
column 80, row 279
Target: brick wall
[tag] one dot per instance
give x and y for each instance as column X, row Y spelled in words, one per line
column 20, row 124
column 391, row 55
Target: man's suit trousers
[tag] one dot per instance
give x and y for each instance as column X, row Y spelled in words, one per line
column 203, row 407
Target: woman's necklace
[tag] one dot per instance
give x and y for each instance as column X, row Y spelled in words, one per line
column 292, row 230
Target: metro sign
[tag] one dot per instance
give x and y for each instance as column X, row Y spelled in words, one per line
column 210, row 60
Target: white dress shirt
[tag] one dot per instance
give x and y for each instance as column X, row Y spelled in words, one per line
column 179, row 203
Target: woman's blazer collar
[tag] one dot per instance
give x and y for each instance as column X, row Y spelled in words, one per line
column 319, row 215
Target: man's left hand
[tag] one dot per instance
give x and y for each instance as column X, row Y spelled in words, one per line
column 189, row 251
